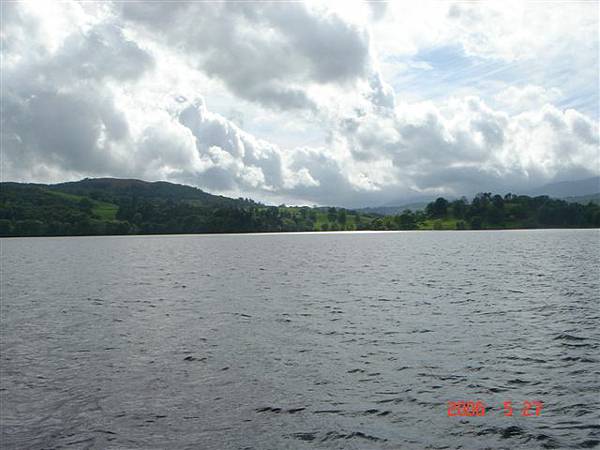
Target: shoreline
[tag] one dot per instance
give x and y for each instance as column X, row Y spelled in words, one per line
column 275, row 233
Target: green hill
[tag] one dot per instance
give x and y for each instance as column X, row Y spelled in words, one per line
column 122, row 206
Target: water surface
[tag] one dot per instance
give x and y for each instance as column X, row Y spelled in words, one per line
column 300, row 341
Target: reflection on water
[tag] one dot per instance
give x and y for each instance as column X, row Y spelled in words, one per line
column 300, row 341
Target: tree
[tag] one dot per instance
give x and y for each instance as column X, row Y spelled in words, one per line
column 438, row 208
column 406, row 220
column 378, row 224
column 458, row 208
column 476, row 223
column 29, row 227
column 495, row 215
column 331, row 214
column 498, row 201
column 5, row 227
column 85, row 204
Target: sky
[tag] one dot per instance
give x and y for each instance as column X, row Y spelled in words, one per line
column 328, row 103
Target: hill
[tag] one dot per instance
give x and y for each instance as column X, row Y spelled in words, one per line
column 123, row 206
column 112, row 189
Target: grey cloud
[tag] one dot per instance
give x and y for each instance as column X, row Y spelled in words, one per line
column 333, row 188
column 19, row 29
column 468, row 180
column 58, row 111
column 102, row 52
column 491, row 131
column 63, row 130
column 71, row 125
column 336, row 50
column 163, row 146
column 217, row 178
column 163, row 14
column 381, row 94
column 210, row 130
column 583, row 127
column 269, row 94
column 273, row 66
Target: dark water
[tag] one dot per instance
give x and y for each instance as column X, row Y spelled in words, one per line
column 353, row 341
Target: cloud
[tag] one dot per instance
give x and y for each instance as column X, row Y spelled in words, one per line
column 527, row 97
column 139, row 90
column 296, row 46
column 462, row 145
column 482, row 48
column 236, row 159
column 516, row 30
column 378, row 10
column 101, row 53
column 58, row 108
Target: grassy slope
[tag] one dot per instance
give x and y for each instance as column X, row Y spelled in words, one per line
column 104, row 210
column 322, row 217
column 447, row 223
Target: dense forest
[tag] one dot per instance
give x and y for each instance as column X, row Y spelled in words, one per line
column 115, row 206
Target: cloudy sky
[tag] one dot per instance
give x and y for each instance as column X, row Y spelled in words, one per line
column 347, row 103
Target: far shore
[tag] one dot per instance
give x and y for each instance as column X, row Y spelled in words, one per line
column 274, row 233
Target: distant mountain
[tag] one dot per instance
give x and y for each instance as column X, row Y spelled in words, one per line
column 565, row 189
column 584, row 199
column 577, row 191
column 394, row 210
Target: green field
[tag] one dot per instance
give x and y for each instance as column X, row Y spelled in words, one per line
column 103, row 210
column 446, row 223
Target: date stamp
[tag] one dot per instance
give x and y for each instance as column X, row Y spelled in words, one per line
column 470, row 408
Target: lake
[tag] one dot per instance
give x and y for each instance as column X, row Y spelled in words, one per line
column 301, row 341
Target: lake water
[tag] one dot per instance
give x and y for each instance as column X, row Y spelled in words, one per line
column 300, row 341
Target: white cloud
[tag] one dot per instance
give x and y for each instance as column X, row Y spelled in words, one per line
column 527, row 97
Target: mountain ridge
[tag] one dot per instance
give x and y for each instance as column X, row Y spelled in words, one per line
column 569, row 188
